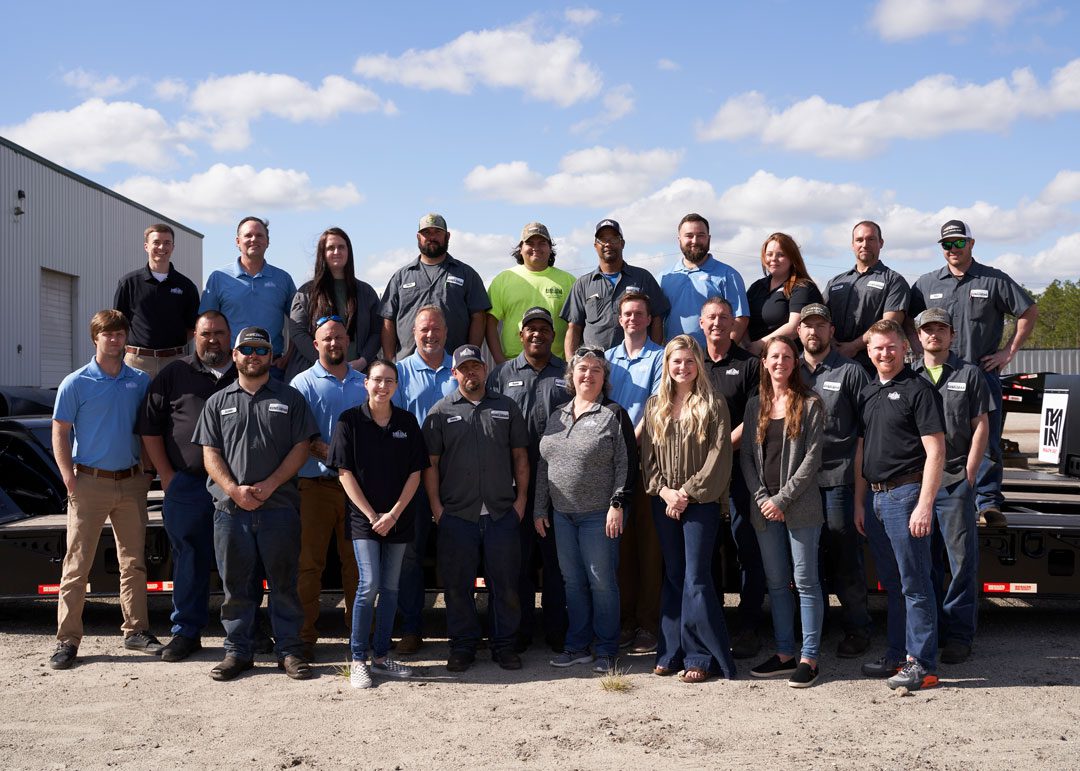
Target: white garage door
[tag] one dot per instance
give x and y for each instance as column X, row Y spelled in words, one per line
column 57, row 299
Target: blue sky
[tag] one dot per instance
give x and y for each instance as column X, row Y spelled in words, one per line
column 792, row 116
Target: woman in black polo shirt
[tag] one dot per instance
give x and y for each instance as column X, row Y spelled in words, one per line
column 776, row 299
column 379, row 452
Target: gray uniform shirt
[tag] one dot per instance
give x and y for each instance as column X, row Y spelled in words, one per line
column 473, row 442
column 964, row 397
column 593, row 304
column 451, row 285
column 838, row 381
column 857, row 299
column 254, row 434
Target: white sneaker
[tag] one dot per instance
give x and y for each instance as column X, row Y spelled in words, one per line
column 391, row 668
column 360, row 675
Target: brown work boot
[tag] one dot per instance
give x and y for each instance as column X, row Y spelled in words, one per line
column 409, row 643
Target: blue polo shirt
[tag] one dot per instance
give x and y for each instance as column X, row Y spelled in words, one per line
column 420, row 387
column 103, row 411
column 687, row 289
column 327, row 397
column 634, row 380
column 262, row 300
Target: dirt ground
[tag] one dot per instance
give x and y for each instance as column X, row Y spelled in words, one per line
column 1014, row 705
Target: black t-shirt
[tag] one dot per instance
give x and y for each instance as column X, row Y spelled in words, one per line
column 381, row 459
column 772, row 449
column 893, row 418
column 770, row 310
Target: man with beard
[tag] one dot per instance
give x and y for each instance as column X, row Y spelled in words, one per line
column 838, row 381
column 330, row 386
column 536, row 380
column 167, row 421
column 435, row 278
column 695, row 279
column 256, row 434
column 478, row 484
column 591, row 311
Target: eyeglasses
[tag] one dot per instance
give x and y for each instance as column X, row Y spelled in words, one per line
column 959, row 243
column 589, row 350
column 382, row 381
column 258, row 350
column 325, row 319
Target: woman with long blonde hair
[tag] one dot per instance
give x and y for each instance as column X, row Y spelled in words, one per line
column 686, row 467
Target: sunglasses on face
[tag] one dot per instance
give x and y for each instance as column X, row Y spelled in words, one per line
column 959, row 243
column 258, row 350
column 322, row 320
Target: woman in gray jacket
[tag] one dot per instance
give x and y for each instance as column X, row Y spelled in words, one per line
column 782, row 439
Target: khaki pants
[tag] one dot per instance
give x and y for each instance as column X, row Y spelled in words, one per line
column 148, row 364
column 123, row 503
column 322, row 516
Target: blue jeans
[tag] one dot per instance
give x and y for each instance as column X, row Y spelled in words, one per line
column 841, row 558
column 751, row 571
column 692, row 628
column 188, row 514
column 956, row 539
column 590, row 564
column 988, row 479
column 379, row 566
column 460, row 546
column 780, row 547
column 411, row 589
column 903, row 566
column 242, row 541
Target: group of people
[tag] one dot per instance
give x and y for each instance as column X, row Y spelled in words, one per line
column 681, row 413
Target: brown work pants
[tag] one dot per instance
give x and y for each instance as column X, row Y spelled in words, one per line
column 323, row 516
column 641, row 568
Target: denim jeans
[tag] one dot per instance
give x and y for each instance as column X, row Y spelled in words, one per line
column 379, row 566
column 780, row 548
column 411, row 588
column 956, row 539
column 903, row 566
column 552, row 591
column 590, row 563
column 751, row 571
column 988, row 478
column 692, row 628
column 242, row 541
column 841, row 559
column 460, row 546
column 188, row 514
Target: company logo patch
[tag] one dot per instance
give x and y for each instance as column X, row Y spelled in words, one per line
column 278, row 407
column 399, row 435
column 131, row 385
column 954, row 386
column 453, row 419
column 176, row 290
column 455, row 280
column 980, row 294
column 410, row 285
column 894, row 396
column 633, row 289
column 732, row 371
column 831, row 385
column 876, row 284
column 560, row 382
column 500, row 414
column 228, row 410
column 515, row 384
column 936, row 296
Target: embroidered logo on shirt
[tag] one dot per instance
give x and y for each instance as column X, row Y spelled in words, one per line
column 936, row 296
column 270, row 285
column 560, row 382
column 876, row 284
column 732, row 371
column 981, row 294
column 453, row 419
column 831, row 385
column 515, row 383
column 954, row 386
column 500, row 414
column 131, row 385
column 399, row 435
column 176, row 290
column 894, row 395
column 228, row 411
column 633, row 289
column 837, row 287
column 278, row 407
column 455, row 280
column 410, row 285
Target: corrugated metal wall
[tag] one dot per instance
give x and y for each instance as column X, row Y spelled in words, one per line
column 1064, row 361
column 70, row 226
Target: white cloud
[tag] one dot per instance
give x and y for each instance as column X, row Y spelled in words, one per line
column 509, row 57
column 906, row 19
column 595, row 177
column 932, row 107
column 1063, row 188
column 1039, row 269
column 92, row 84
column 617, row 104
column 97, row 133
column 582, row 17
column 170, row 89
column 667, row 65
column 216, row 194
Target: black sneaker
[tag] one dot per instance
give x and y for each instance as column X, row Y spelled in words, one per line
column 745, row 644
column 179, row 648
column 774, row 667
column 144, row 642
column 459, row 661
column 507, row 658
column 64, row 656
column 955, row 652
column 805, row 676
column 883, row 667
column 853, row 645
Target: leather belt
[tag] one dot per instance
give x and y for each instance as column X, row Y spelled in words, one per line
column 154, row 353
column 103, row 474
column 892, row 484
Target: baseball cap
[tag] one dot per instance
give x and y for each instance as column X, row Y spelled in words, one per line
column 815, row 309
column 431, row 221
column 608, row 224
column 931, row 315
column 465, row 353
column 955, row 229
column 535, row 229
column 536, row 312
column 252, row 336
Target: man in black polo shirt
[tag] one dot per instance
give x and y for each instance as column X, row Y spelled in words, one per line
column 166, row 423
column 734, row 374
column 535, row 380
column 902, row 440
column 477, row 485
column 160, row 303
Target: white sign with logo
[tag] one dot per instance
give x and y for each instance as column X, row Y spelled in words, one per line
column 1052, row 425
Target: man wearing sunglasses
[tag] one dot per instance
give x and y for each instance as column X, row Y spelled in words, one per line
column 977, row 298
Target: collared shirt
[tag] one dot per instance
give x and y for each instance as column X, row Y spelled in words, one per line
column 687, row 289
column 420, row 387
column 770, row 309
column 593, row 303
column 964, row 397
column 474, row 443
column 262, row 300
column 634, row 380
column 516, row 290
column 173, row 405
column 838, row 381
column 977, row 303
column 893, row 418
column 857, row 300
column 327, row 397
column 736, row 377
column 537, row 394
column 102, row 410
column 161, row 313
column 451, row 285
column 254, row 434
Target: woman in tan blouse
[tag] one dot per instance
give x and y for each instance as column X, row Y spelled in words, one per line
column 686, row 464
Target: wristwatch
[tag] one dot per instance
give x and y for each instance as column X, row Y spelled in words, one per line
column 616, row 502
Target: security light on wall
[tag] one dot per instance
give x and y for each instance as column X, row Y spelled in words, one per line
column 20, row 203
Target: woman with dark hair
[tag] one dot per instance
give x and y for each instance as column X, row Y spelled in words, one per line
column 334, row 291
column 686, row 467
column 776, row 299
column 781, row 455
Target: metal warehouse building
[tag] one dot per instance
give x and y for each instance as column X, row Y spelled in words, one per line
column 64, row 243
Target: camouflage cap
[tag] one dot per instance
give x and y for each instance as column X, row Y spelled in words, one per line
column 431, row 221
column 535, row 229
column 932, row 315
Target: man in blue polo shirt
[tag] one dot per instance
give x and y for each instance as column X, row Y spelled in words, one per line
column 251, row 292
column 104, row 481
column 330, row 387
column 696, row 278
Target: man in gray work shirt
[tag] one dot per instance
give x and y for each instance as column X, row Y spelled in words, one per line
column 477, row 485
column 435, row 278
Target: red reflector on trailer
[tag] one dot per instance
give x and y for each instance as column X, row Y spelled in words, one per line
column 480, row 584
column 1011, row 588
column 48, row 589
column 159, row 586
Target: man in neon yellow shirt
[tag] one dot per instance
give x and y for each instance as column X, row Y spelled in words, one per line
column 534, row 282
